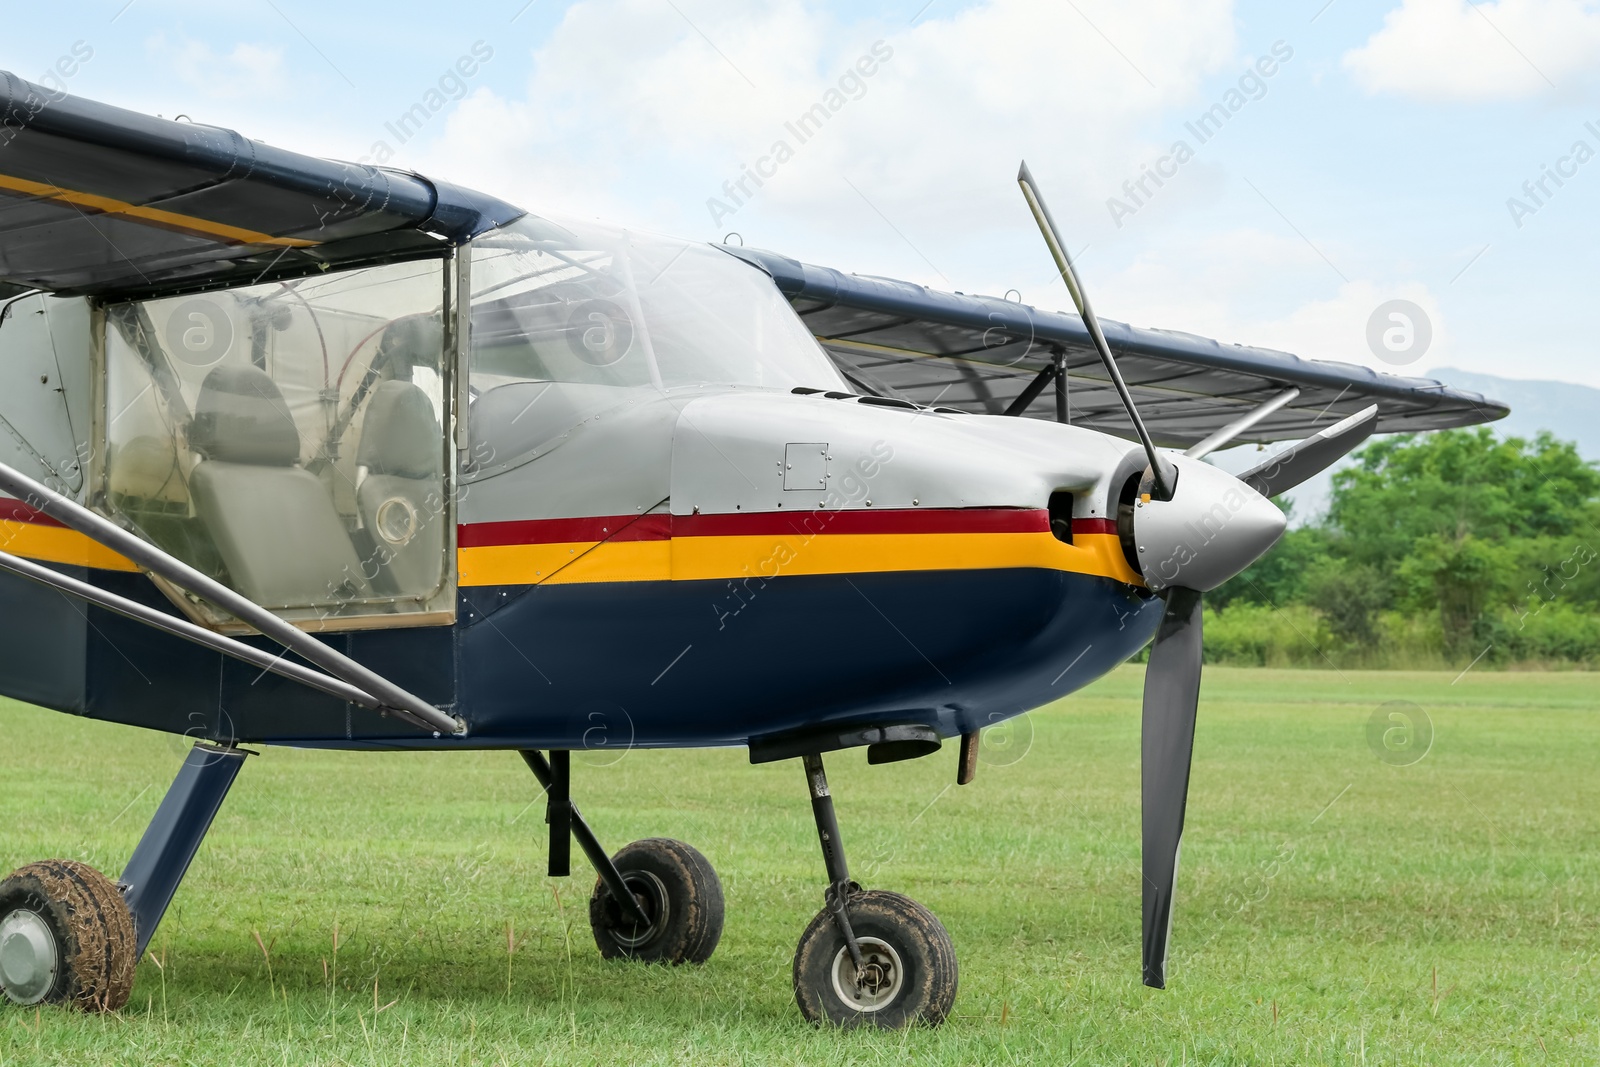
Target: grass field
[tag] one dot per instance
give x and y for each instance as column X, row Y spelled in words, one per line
column 1332, row 908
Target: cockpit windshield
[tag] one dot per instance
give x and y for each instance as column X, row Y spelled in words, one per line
column 601, row 305
column 571, row 319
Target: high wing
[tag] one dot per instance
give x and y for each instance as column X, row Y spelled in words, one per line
column 103, row 201
column 978, row 354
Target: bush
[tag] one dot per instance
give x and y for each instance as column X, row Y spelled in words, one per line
column 1349, row 596
column 1262, row 636
column 1255, row 635
column 1557, row 634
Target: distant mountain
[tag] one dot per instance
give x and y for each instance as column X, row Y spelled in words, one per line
column 1570, row 412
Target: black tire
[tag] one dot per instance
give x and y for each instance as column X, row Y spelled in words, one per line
column 677, row 888
column 908, row 952
column 66, row 915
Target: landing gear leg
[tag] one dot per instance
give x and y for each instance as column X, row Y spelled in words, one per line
column 69, row 934
column 840, row 888
column 656, row 900
column 869, row 957
column 169, row 843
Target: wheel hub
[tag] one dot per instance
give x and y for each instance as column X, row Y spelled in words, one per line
column 651, row 894
column 876, row 985
column 28, row 957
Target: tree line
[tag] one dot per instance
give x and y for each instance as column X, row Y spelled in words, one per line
column 1436, row 550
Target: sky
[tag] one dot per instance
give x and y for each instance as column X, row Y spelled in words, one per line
column 1357, row 152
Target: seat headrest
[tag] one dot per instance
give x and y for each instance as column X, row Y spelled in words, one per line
column 414, row 341
column 400, row 435
column 241, row 417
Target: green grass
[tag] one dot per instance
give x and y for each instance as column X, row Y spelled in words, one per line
column 1332, row 908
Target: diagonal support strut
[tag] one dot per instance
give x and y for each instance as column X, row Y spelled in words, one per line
column 577, row 828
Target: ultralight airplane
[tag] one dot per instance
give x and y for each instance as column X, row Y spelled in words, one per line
column 302, row 452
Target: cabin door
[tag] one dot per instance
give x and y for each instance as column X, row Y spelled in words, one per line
column 293, row 439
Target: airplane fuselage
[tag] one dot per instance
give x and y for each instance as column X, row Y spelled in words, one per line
column 711, row 594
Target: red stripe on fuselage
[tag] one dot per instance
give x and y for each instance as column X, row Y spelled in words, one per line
column 653, row 527
column 16, row 511
column 898, row 521
column 660, row 527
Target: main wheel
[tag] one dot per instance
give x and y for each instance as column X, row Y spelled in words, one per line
column 676, row 887
column 65, row 936
column 908, row 966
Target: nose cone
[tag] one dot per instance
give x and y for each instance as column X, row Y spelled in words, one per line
column 1213, row 527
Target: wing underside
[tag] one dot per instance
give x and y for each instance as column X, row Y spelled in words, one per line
column 103, row 201
column 979, row 354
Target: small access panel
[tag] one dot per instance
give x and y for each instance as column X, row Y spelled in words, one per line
column 805, row 466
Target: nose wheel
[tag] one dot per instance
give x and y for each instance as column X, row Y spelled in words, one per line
column 907, row 973
column 868, row 958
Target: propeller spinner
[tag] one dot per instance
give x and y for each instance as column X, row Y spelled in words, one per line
column 1194, row 527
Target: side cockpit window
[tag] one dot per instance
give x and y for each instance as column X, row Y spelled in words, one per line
column 290, row 440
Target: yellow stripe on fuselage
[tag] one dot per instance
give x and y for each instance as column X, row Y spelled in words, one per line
column 692, row 558
column 710, row 558
column 564, row 562
column 57, row 544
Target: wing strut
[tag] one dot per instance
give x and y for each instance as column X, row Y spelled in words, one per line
column 386, row 694
column 1031, row 391
column 1287, row 469
column 1241, row 424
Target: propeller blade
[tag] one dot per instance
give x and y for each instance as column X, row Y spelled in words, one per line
column 1171, row 697
column 1160, row 467
column 1312, row 456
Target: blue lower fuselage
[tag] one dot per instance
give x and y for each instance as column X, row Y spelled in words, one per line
column 614, row 664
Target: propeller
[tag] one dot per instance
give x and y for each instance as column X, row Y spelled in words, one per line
column 1214, row 527
column 1171, row 700
column 1187, row 542
column 1161, row 470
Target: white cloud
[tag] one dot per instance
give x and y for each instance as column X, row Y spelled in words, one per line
column 629, row 101
column 1250, row 287
column 1335, row 327
column 1211, row 296
column 248, row 71
column 1455, row 50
